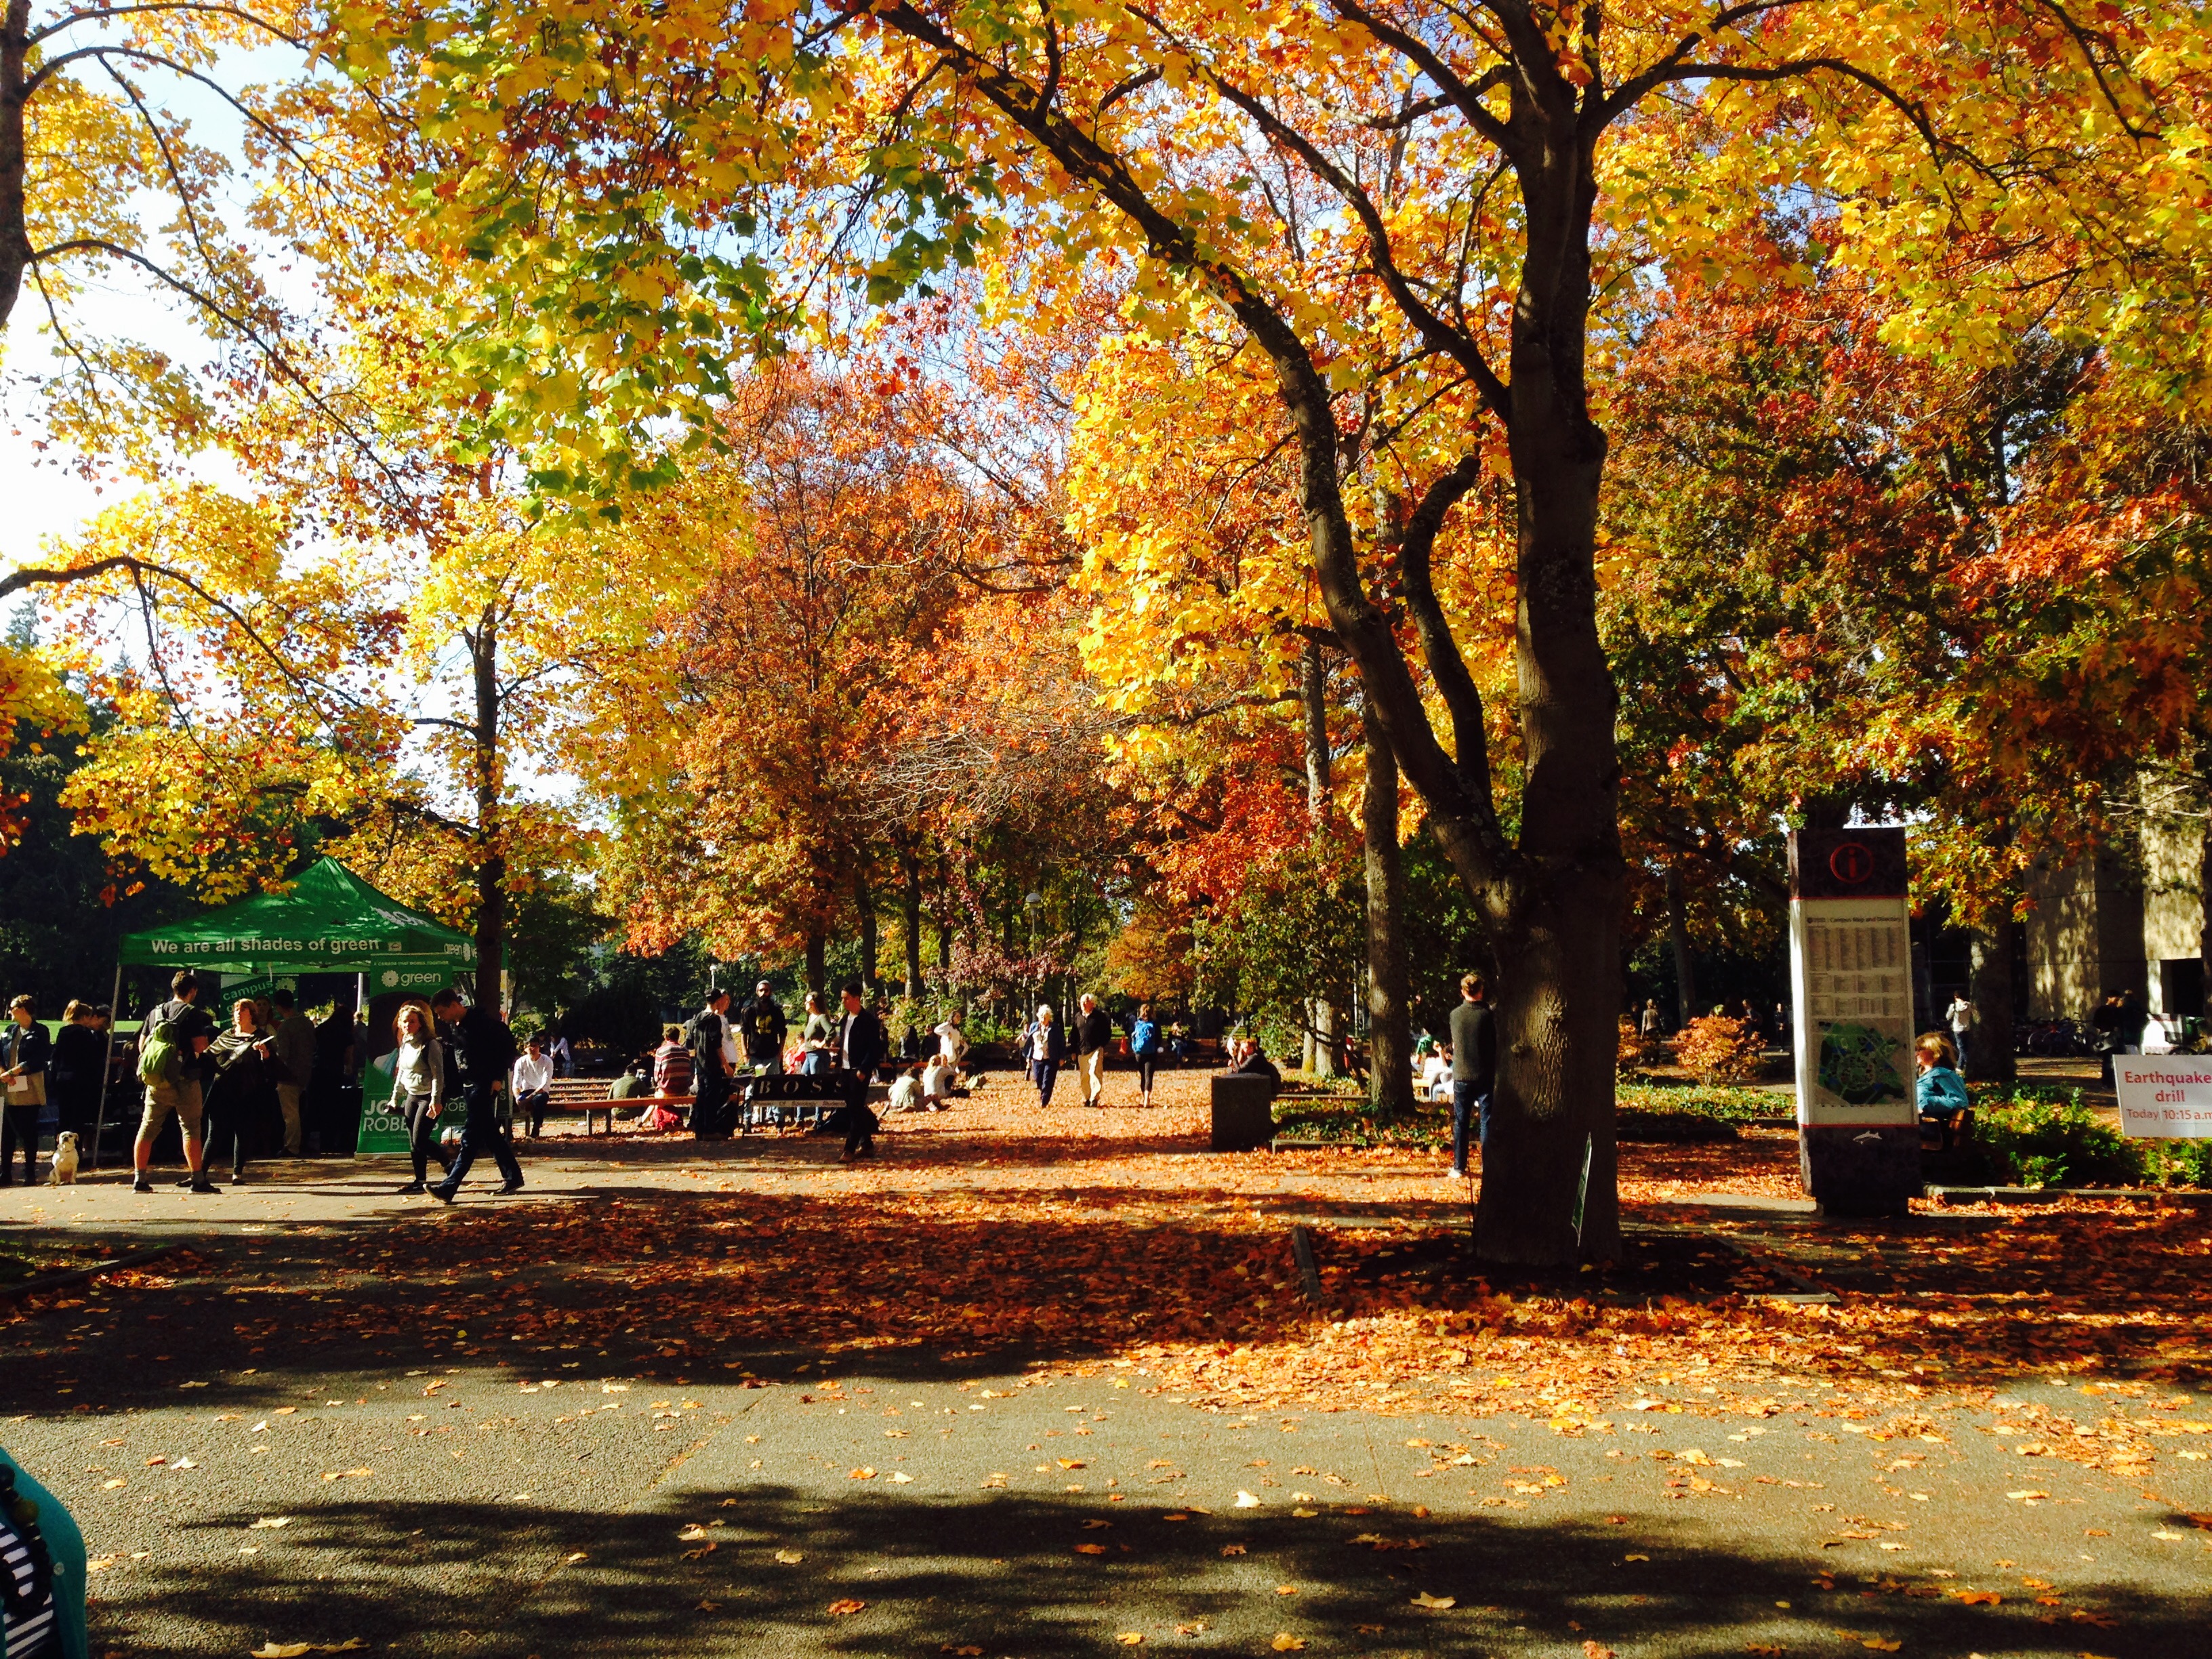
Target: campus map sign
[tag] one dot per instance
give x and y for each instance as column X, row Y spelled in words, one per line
column 2164, row 1096
column 1850, row 973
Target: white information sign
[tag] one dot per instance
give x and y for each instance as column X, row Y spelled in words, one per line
column 2164, row 1096
column 1851, row 968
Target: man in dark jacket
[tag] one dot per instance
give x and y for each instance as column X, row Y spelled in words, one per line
column 764, row 1027
column 296, row 1063
column 479, row 1044
column 861, row 1045
column 710, row 1068
column 1094, row 1036
column 1475, row 1070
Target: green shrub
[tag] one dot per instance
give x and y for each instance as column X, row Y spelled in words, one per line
column 1721, row 1100
column 2181, row 1163
column 2043, row 1137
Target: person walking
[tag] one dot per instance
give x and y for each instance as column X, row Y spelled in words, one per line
column 1650, row 1025
column 1043, row 1050
column 862, row 1044
column 1145, row 1048
column 534, row 1086
column 293, row 1062
column 73, row 1075
column 418, row 1089
column 1473, row 1071
column 165, row 1047
column 479, row 1040
column 1960, row 1017
column 765, row 1029
column 25, row 1054
column 1094, row 1036
column 240, row 1094
column 710, row 1074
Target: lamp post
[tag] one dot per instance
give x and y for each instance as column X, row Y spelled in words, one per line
column 1033, row 901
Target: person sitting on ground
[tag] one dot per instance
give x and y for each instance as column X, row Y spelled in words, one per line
column 531, row 1085
column 1255, row 1063
column 672, row 1064
column 1941, row 1093
column 939, row 1079
column 1436, row 1074
column 905, row 1093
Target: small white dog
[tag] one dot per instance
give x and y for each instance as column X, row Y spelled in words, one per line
column 63, row 1173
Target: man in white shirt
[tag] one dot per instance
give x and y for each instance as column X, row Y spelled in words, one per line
column 1960, row 1013
column 533, row 1085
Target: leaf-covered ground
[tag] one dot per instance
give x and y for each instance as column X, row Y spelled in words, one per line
column 1086, row 1239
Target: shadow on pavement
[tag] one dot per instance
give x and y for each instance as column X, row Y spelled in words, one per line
column 1009, row 1575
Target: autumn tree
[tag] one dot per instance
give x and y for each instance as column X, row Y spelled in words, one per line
column 1551, row 154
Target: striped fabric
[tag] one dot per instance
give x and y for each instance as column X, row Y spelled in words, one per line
column 25, row 1639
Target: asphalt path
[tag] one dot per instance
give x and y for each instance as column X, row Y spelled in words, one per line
column 546, row 1500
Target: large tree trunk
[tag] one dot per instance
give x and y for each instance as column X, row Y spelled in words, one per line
column 1389, row 1032
column 1990, row 1044
column 818, row 950
column 1678, row 937
column 15, row 231
column 491, row 862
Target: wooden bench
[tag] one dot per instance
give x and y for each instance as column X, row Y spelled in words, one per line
column 589, row 1095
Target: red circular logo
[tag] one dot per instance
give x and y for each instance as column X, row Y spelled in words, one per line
column 1851, row 862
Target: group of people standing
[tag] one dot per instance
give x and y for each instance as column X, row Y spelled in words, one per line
column 845, row 1052
column 63, row 1070
column 226, row 1085
column 452, row 1052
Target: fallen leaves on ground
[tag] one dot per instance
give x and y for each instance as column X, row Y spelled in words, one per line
column 1435, row 1603
column 1139, row 1249
column 845, row 1605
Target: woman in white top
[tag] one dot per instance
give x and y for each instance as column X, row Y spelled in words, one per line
column 952, row 1041
column 1436, row 1074
column 418, row 1087
column 937, row 1084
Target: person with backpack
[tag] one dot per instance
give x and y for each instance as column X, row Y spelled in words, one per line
column 1147, row 1048
column 479, row 1055
column 710, row 1072
column 162, row 1050
column 765, row 1028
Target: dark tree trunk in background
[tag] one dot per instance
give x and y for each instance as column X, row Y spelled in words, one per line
column 864, row 900
column 1678, row 936
column 818, row 948
column 1321, row 1023
column 910, row 874
column 1990, row 1044
column 491, row 861
column 1390, row 1033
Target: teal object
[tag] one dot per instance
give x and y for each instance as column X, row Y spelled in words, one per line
column 1858, row 1064
column 66, row 1544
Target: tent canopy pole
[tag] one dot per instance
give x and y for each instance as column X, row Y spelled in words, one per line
column 107, row 1069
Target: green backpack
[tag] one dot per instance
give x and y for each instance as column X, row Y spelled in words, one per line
column 157, row 1057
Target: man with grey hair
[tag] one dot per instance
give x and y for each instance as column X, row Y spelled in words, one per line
column 1094, row 1035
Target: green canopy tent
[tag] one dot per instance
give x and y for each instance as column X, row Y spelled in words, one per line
column 332, row 921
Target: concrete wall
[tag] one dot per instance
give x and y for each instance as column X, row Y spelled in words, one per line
column 2173, row 897
column 2085, row 936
